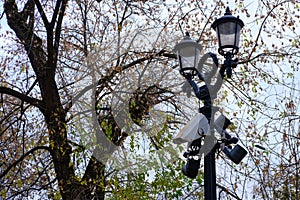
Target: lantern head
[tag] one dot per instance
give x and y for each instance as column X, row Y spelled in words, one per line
column 228, row 30
column 188, row 53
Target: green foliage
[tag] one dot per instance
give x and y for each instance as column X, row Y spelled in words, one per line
column 167, row 182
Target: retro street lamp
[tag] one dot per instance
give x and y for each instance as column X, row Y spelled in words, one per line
column 188, row 53
column 228, row 30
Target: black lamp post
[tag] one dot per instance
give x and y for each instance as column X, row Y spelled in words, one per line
column 228, row 30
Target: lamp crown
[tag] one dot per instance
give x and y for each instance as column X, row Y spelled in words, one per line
column 227, row 12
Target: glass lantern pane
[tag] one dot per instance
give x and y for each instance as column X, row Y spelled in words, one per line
column 189, row 57
column 188, row 51
column 229, row 34
column 187, row 62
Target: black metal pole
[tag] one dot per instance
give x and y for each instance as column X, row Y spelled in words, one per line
column 210, row 176
column 209, row 159
column 204, row 94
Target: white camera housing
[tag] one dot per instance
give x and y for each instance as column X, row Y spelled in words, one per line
column 219, row 123
column 193, row 130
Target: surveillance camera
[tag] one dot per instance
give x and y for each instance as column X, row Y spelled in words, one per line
column 193, row 130
column 190, row 169
column 236, row 154
column 221, row 123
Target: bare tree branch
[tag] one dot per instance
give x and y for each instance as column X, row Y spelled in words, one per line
column 42, row 13
column 23, row 157
column 23, row 97
column 262, row 25
column 61, row 13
